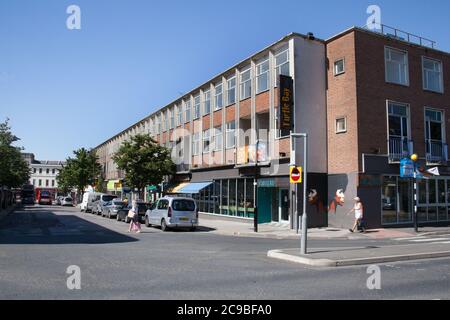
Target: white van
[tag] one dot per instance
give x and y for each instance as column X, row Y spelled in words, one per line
column 173, row 212
column 88, row 201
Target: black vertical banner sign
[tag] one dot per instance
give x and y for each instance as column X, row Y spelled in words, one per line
column 286, row 122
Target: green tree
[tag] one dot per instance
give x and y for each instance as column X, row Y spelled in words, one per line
column 144, row 161
column 14, row 170
column 80, row 171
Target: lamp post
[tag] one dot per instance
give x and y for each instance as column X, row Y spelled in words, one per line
column 414, row 158
column 255, row 206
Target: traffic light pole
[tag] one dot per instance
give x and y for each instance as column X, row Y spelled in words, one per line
column 304, row 235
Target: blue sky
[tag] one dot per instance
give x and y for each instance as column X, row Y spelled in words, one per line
column 65, row 89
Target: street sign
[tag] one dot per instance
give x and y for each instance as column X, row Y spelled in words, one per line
column 295, row 174
column 407, row 168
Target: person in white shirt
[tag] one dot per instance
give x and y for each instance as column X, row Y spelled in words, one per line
column 358, row 209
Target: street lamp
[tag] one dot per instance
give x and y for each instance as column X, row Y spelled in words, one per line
column 255, row 190
column 414, row 159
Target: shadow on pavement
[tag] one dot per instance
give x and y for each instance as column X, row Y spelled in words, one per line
column 39, row 225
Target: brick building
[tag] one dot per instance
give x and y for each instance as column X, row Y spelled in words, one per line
column 366, row 99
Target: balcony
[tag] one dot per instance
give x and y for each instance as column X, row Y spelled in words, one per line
column 399, row 148
column 437, row 152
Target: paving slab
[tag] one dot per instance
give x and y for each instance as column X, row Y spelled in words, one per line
column 337, row 257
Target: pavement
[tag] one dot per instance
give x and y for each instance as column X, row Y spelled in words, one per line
column 39, row 243
column 282, row 231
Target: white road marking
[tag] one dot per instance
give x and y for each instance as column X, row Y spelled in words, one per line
column 409, row 238
column 430, row 240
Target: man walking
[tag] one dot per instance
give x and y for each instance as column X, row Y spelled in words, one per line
column 358, row 209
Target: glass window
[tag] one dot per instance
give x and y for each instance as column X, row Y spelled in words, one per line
column 172, row 119
column 396, row 66
column 262, row 76
column 218, row 138
column 53, row 171
column 188, row 110
column 179, row 115
column 405, row 200
column 53, row 183
column 196, row 144
column 218, row 97
column 48, row 171
column 231, row 89
column 341, row 125
column 389, row 200
column 434, row 125
column 232, row 198
column 249, row 196
column 246, row 84
column 207, row 95
column 432, row 75
column 241, row 197
column 206, row 140
column 422, row 189
column 231, row 134
column 40, row 182
column 339, row 67
column 282, row 63
column 432, row 191
column 224, row 197
column 196, row 107
column 441, row 191
column 183, row 205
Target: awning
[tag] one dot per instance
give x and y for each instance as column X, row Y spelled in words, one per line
column 177, row 188
column 194, row 187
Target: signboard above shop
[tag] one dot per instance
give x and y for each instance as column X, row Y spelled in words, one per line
column 286, row 113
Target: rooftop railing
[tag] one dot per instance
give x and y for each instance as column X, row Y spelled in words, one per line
column 401, row 35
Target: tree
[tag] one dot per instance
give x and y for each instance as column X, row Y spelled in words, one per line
column 144, row 162
column 80, row 171
column 14, row 170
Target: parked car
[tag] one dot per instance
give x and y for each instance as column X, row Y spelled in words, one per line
column 67, row 202
column 122, row 214
column 58, row 200
column 101, row 201
column 111, row 208
column 88, row 201
column 173, row 212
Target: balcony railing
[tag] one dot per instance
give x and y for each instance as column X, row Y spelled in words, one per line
column 402, row 35
column 399, row 148
column 437, row 152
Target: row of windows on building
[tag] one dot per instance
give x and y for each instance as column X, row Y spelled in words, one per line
column 220, row 96
column 40, row 182
column 47, row 171
column 397, row 70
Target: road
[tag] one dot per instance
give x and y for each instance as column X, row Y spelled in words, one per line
column 38, row 244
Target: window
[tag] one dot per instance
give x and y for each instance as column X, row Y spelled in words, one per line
column 396, row 66
column 48, row 171
column 34, row 182
column 158, row 124
column 34, row 170
column 46, row 183
column 231, row 135
column 246, row 84
column 435, row 136
column 172, row 118
column 218, row 139
column 166, row 120
column 432, row 75
column 40, row 182
column 398, row 131
column 40, row 170
column 231, row 91
column 218, row 97
column 282, row 63
column 196, row 144
column 188, row 110
column 207, row 102
column 163, row 204
column 196, row 107
column 341, row 125
column 262, row 76
column 206, row 140
column 179, row 115
column 339, row 67
column 53, row 183
column 53, row 171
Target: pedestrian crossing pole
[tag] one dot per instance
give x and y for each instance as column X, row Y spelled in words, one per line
column 414, row 158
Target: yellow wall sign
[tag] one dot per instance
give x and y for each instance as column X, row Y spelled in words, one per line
column 295, row 174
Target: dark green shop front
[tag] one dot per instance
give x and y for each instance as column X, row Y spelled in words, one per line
column 273, row 200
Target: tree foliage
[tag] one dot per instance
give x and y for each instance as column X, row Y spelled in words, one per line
column 14, row 170
column 79, row 171
column 144, row 161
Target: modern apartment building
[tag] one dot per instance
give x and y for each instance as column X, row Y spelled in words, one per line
column 366, row 99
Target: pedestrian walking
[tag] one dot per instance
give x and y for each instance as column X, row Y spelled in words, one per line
column 358, row 209
column 134, row 218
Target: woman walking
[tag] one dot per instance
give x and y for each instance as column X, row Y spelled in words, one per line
column 134, row 216
column 358, row 209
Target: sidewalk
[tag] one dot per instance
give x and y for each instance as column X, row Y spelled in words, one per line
column 282, row 231
column 337, row 257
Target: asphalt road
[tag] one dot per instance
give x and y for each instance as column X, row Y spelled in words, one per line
column 38, row 244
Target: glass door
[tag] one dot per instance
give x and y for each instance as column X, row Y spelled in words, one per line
column 284, row 205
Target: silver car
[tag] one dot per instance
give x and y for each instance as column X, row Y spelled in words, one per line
column 173, row 212
column 67, row 202
column 111, row 208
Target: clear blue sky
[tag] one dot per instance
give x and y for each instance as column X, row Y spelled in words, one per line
column 67, row 89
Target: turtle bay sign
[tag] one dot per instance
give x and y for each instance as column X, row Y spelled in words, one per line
column 286, row 88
